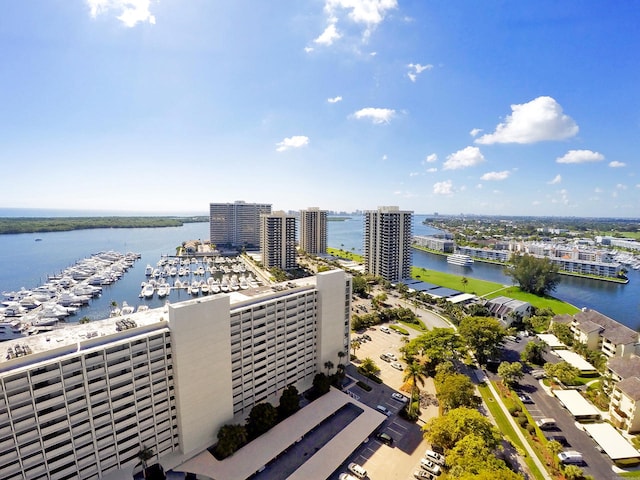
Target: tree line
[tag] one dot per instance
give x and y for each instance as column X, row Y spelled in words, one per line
column 63, row 224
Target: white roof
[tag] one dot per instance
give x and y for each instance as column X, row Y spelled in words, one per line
column 463, row 297
column 576, row 360
column 577, row 405
column 551, row 340
column 611, row 441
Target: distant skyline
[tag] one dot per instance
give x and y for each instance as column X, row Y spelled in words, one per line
column 488, row 108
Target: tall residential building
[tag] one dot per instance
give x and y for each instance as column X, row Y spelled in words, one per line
column 236, row 224
column 278, row 240
column 80, row 401
column 313, row 231
column 387, row 243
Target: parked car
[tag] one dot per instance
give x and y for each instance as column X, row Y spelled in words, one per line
column 397, row 366
column 346, row 476
column 538, row 374
column 571, row 457
column 561, row 439
column 400, row 397
column 384, row 357
column 367, row 337
column 546, row 423
column 385, row 329
column 434, row 457
column 357, row 470
column 385, row 438
column 384, row 410
column 429, row 466
column 420, row 474
column 391, row 356
column 524, row 398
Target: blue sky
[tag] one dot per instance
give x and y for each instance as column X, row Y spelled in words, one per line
column 506, row 108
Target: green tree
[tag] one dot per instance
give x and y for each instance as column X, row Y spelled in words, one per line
column 289, row 402
column 328, row 365
column 554, row 448
column 470, row 456
column 436, row 346
column 533, row 353
column 230, row 439
column 483, row 335
column 403, row 289
column 144, row 455
column 415, row 374
column 455, row 390
column 84, row 320
column 464, row 281
column 563, row 332
column 261, row 418
column 563, row 371
column 368, row 367
column 321, row 385
column 355, row 345
column 449, row 429
column 359, row 285
column 534, row 275
column 341, row 355
column 573, row 472
column 511, row 373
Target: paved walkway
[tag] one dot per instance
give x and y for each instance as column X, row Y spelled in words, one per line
column 483, row 378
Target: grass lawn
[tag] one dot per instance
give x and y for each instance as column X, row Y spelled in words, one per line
column 336, row 252
column 490, row 289
column 507, row 429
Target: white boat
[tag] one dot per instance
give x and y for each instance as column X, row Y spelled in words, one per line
column 12, row 329
column 148, row 271
column 142, row 308
column 126, row 309
column 148, row 290
column 163, row 290
column 460, row 259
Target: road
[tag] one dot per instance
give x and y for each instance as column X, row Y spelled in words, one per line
column 545, row 405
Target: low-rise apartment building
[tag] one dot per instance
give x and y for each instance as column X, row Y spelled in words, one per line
column 623, row 407
column 439, row 244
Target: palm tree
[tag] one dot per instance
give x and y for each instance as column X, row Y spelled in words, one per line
column 144, row 454
column 355, row 344
column 464, row 281
column 328, row 365
column 341, row 355
column 415, row 374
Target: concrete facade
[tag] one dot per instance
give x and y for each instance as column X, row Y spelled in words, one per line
column 387, row 243
column 313, row 231
column 278, row 240
column 236, row 224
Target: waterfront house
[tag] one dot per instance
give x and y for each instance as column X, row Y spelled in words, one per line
column 508, row 310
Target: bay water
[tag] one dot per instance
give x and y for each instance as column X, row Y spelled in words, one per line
column 25, row 262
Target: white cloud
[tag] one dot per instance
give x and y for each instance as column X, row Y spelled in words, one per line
column 580, row 156
column 557, row 179
column 329, row 35
column 308, row 49
column 414, row 174
column 467, row 157
column 443, row 188
column 496, row 176
column 376, row 115
column 334, row 99
column 432, row 170
column 475, row 132
column 598, row 190
column 616, row 164
column 479, row 186
column 539, row 120
column 369, row 12
column 536, row 202
column 296, row 141
column 384, row 157
column 621, row 186
column 131, row 12
column 416, row 69
column 432, row 157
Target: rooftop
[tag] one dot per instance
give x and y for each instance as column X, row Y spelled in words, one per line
column 613, row 331
column 630, row 387
column 625, row 367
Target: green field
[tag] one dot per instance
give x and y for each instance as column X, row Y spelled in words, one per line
column 336, row 252
column 482, row 288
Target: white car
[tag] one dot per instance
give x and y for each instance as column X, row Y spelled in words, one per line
column 346, row 476
column 397, row 366
column 434, row 457
column 391, row 356
column 430, row 466
column 384, row 410
column 357, row 470
column 385, row 329
column 400, row 397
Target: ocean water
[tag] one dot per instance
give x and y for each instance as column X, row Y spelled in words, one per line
column 25, row 262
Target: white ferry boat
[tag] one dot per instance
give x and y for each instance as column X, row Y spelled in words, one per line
column 460, row 259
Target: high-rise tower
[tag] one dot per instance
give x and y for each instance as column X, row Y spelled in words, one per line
column 313, row 231
column 236, row 224
column 278, row 240
column 387, row 243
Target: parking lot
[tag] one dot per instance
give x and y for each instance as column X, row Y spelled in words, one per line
column 545, row 405
column 381, row 461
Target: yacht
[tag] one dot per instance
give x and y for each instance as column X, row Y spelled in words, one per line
column 12, row 329
column 126, row 309
column 148, row 290
column 460, row 259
